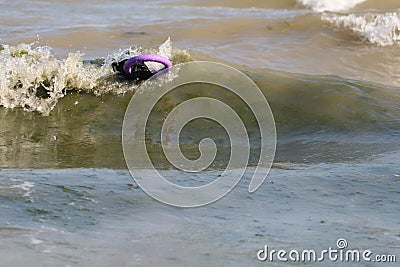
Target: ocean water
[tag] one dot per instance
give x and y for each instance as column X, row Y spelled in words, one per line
column 329, row 70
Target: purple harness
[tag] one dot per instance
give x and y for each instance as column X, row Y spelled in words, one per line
column 143, row 58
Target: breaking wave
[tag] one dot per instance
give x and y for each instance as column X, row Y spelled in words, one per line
column 34, row 79
column 382, row 29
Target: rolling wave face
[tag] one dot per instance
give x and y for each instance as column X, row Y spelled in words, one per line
column 305, row 104
column 299, row 102
column 302, row 103
column 306, row 108
column 34, row 79
column 382, row 29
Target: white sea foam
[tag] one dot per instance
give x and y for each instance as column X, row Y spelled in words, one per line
column 36, row 241
column 25, row 186
column 382, row 29
column 330, row 5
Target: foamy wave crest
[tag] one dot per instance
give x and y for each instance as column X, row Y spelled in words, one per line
column 380, row 29
column 33, row 78
column 330, row 5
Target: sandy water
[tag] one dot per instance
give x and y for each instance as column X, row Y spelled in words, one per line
column 329, row 72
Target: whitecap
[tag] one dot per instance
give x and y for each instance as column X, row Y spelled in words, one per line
column 25, row 186
column 382, row 29
column 330, row 5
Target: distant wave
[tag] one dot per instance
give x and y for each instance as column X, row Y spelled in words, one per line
column 382, row 29
column 330, row 5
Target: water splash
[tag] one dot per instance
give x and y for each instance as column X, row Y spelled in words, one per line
column 33, row 78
